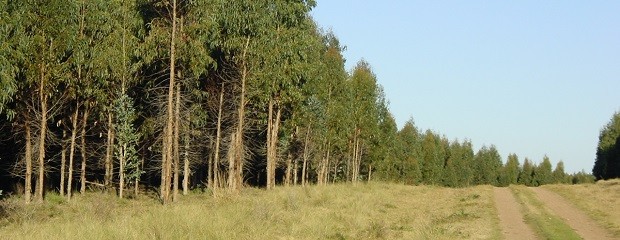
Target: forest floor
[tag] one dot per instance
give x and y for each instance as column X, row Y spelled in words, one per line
column 341, row 211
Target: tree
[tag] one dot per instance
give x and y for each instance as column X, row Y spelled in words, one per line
column 525, row 175
column 542, row 173
column 607, row 163
column 488, row 164
column 511, row 170
column 41, row 38
column 559, row 176
column 432, row 162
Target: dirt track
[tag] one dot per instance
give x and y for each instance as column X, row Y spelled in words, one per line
column 575, row 218
column 510, row 216
column 514, row 227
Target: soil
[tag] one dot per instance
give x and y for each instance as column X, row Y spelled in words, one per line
column 510, row 216
column 575, row 218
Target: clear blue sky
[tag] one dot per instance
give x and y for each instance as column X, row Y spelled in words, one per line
column 530, row 77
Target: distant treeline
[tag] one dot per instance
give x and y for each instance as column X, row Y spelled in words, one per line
column 172, row 95
column 607, row 164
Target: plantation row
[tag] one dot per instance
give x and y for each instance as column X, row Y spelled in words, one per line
column 174, row 95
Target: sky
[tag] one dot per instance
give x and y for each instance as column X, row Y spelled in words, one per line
column 533, row 78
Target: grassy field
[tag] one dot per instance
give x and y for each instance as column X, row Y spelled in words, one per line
column 600, row 201
column 363, row 211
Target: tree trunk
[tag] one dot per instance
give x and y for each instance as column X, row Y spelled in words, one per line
column 216, row 159
column 42, row 136
column 109, row 164
column 72, row 151
column 304, row 169
column 186, row 170
column 63, row 161
column 177, row 117
column 121, row 170
column 83, row 148
column 237, row 151
column 167, row 147
column 272, row 144
column 289, row 169
column 270, row 157
column 28, row 159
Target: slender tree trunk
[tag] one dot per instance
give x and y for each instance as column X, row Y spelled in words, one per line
column 237, row 158
column 304, row 168
column 270, row 158
column 42, row 135
column 295, row 172
column 289, row 169
column 63, row 161
column 83, row 148
column 121, row 170
column 72, row 151
column 327, row 162
column 216, row 159
column 177, row 116
column 109, row 164
column 28, row 159
column 167, row 148
column 186, row 170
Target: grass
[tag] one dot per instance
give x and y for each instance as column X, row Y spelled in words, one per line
column 598, row 200
column 362, row 211
column 544, row 223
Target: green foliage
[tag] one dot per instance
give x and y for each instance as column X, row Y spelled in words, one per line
column 607, row 164
column 542, row 173
column 488, row 163
column 127, row 137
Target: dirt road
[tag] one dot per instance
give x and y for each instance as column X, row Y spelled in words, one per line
column 510, row 216
column 575, row 218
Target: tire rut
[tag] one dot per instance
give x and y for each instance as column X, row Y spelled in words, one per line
column 575, row 218
column 511, row 218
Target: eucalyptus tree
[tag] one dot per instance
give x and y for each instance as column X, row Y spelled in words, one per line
column 510, row 172
column 432, row 161
column 178, row 25
column 607, row 163
column 42, row 35
column 408, row 164
column 365, row 115
column 526, row 172
column 333, row 94
column 282, row 59
column 115, row 66
column 488, row 163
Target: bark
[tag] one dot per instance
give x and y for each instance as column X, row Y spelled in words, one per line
column 109, row 164
column 83, row 149
column 42, row 136
column 168, row 130
column 236, row 152
column 216, row 159
column 304, row 168
column 270, row 158
column 28, row 158
column 272, row 143
column 72, row 151
column 175, row 143
column 289, row 169
column 186, row 170
column 121, row 170
column 63, row 161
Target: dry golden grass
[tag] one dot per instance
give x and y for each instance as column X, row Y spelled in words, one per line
column 600, row 201
column 363, row 211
